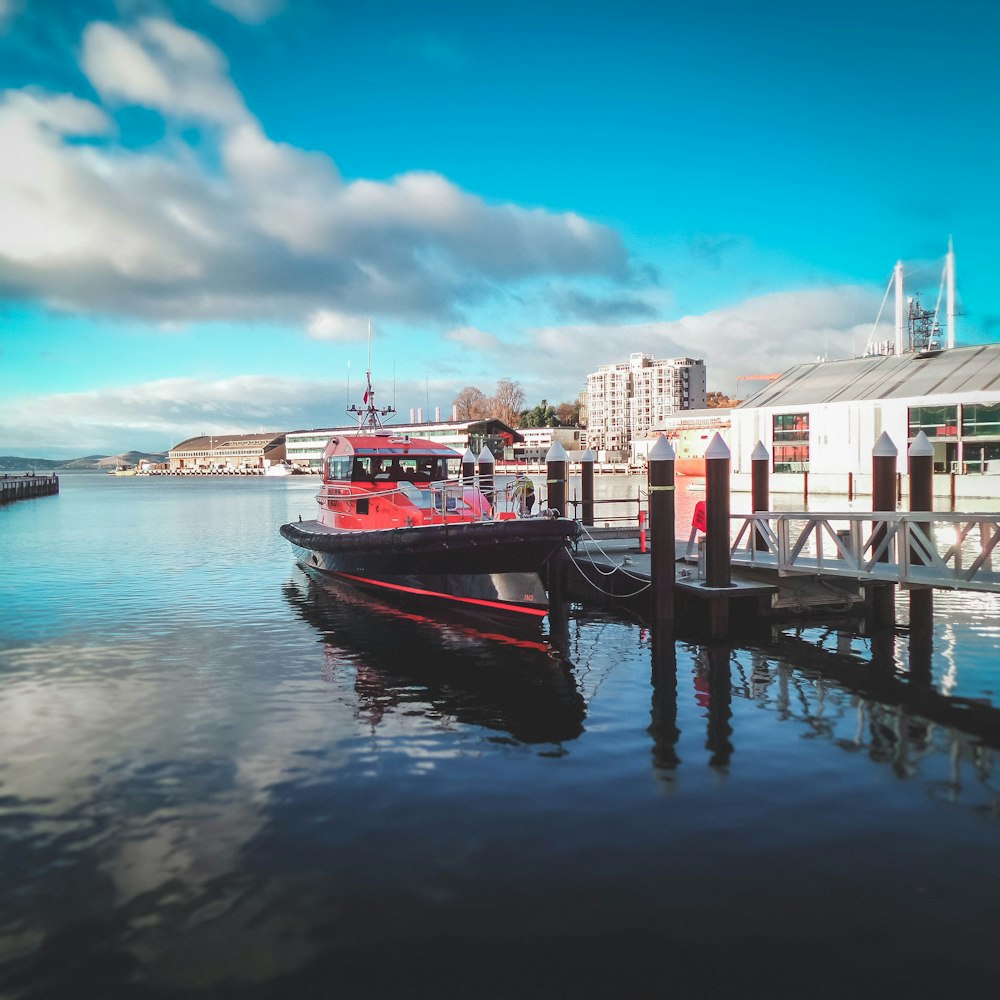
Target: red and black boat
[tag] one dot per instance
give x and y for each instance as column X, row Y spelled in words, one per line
column 395, row 515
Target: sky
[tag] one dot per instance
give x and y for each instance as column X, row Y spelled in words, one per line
column 203, row 203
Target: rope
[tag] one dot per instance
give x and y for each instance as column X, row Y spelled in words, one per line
column 601, row 590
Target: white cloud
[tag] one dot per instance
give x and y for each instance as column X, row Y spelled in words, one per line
column 251, row 11
column 232, row 224
column 158, row 64
column 327, row 325
column 471, row 337
column 761, row 335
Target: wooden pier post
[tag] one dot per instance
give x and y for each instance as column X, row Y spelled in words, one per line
column 717, row 462
column 487, row 485
column 556, row 460
column 663, row 554
column 760, row 489
column 883, row 500
column 587, row 487
column 921, row 454
column 468, row 468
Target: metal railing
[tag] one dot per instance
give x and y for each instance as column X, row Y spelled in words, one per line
column 918, row 548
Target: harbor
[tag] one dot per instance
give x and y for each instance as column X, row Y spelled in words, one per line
column 196, row 741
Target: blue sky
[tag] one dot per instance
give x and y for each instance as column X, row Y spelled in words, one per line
column 201, row 203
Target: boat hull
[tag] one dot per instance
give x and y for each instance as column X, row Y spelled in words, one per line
column 494, row 565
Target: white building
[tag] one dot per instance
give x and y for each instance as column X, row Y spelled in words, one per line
column 625, row 401
column 825, row 418
column 306, row 447
column 538, row 440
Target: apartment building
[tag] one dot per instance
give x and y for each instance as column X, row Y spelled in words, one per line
column 624, row 401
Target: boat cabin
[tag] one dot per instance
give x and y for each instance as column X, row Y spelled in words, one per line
column 382, row 480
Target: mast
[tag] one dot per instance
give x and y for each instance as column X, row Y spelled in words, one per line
column 900, row 307
column 368, row 414
column 950, row 273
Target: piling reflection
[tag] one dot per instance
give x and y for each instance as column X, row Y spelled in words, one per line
column 868, row 694
column 488, row 675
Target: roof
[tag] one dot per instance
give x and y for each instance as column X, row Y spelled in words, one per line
column 903, row 376
column 486, row 425
column 223, row 442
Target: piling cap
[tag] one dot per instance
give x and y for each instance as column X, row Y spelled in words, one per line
column 921, row 447
column 588, row 456
column 717, row 447
column 486, row 457
column 661, row 451
column 556, row 453
column 884, row 448
column 468, row 457
column 759, row 453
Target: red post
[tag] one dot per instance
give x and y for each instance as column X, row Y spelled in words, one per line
column 883, row 500
column 760, row 489
column 642, row 531
column 717, row 466
column 663, row 557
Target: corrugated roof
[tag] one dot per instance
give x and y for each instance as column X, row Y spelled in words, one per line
column 222, row 442
column 945, row 373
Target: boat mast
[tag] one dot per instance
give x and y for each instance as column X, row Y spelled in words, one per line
column 368, row 414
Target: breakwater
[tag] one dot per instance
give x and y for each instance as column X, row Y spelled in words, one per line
column 15, row 487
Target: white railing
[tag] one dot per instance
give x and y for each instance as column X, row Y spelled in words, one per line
column 952, row 551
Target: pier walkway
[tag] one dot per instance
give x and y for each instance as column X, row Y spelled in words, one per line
column 911, row 549
column 14, row 487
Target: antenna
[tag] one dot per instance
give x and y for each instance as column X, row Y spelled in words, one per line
column 369, row 415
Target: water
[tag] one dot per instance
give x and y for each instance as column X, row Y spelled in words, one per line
column 218, row 779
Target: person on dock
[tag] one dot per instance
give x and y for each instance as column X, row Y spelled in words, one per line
column 522, row 492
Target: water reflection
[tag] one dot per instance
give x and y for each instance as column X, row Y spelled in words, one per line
column 494, row 676
column 859, row 693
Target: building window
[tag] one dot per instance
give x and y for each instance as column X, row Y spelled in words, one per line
column 791, row 442
column 980, row 420
column 934, row 421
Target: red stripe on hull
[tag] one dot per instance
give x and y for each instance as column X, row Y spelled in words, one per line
column 498, row 605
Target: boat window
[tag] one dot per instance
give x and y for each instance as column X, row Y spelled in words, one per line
column 361, row 470
column 340, row 467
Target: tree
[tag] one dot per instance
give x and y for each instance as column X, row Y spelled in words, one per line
column 542, row 415
column 508, row 402
column 470, row 403
column 568, row 414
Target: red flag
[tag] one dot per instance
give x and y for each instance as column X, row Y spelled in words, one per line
column 365, row 399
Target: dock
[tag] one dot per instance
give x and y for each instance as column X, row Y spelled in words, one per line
column 613, row 566
column 25, row 487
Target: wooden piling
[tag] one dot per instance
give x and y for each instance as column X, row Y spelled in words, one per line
column 883, row 501
column 487, row 484
column 663, row 554
column 587, row 487
column 556, row 461
column 921, row 456
column 468, row 468
column 717, row 556
column 760, row 489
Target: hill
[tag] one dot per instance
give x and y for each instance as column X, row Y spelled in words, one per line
column 14, row 463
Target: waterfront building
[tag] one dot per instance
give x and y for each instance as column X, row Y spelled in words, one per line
column 537, row 441
column 305, row 447
column 227, row 451
column 824, row 418
column 689, row 433
column 625, row 401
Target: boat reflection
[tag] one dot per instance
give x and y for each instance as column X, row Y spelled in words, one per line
column 479, row 674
